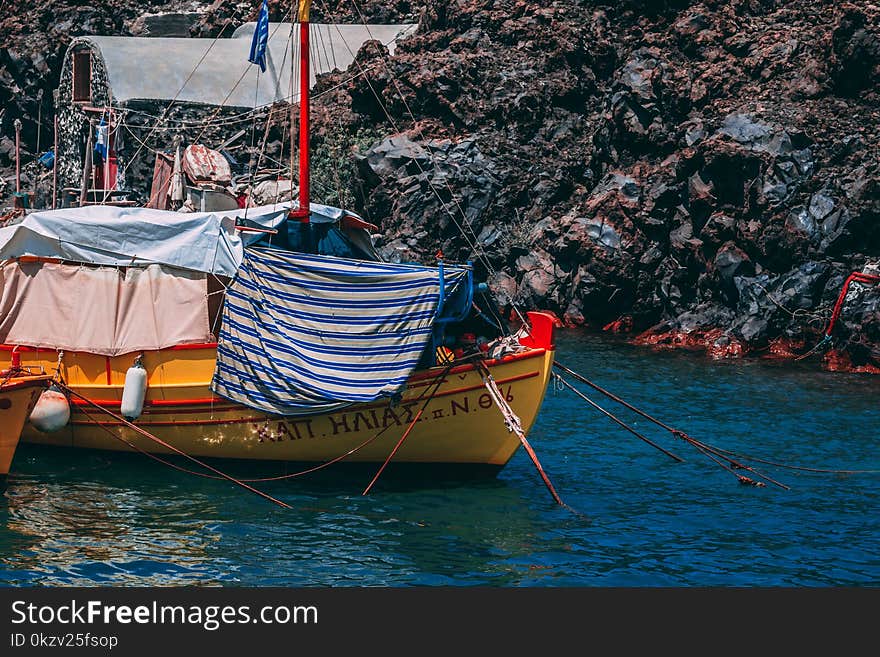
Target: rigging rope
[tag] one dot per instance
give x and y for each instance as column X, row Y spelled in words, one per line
column 177, row 95
column 476, row 247
column 623, row 424
column 220, row 107
column 436, row 382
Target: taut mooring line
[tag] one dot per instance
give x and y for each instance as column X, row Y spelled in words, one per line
column 708, row 450
column 616, row 419
column 437, row 383
column 703, row 448
column 612, row 396
column 514, row 425
column 172, row 448
column 396, row 447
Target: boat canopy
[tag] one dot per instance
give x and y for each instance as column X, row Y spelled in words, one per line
column 107, row 235
column 101, row 310
column 303, row 333
column 217, row 71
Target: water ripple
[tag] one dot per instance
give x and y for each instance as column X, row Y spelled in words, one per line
column 93, row 519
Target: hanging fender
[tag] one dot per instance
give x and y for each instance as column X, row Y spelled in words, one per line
column 134, row 391
column 51, row 412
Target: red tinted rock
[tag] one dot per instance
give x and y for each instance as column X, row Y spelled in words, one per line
column 840, row 361
column 620, row 325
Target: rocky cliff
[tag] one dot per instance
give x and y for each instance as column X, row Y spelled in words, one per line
column 694, row 174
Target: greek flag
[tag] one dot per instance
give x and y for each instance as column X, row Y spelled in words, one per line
column 308, row 334
column 101, row 140
column 261, row 38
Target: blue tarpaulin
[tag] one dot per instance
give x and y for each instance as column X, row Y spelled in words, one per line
column 308, row 333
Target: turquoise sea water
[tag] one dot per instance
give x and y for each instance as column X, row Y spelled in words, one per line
column 77, row 518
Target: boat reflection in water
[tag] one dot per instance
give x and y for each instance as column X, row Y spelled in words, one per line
column 19, row 393
column 116, row 520
column 60, row 526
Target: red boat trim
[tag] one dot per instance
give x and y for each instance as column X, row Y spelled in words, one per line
column 160, row 402
column 423, row 384
column 189, row 402
column 227, row 407
column 430, row 374
column 417, row 380
column 100, row 402
column 32, row 383
column 177, row 347
column 457, row 391
column 173, row 423
column 213, row 345
column 357, row 407
column 195, row 345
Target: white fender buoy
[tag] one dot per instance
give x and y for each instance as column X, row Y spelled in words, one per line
column 51, row 412
column 134, row 391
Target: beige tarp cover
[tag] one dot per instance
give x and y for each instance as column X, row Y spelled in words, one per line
column 103, row 311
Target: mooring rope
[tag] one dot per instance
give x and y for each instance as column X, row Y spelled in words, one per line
column 826, row 340
column 734, row 459
column 801, row 468
column 609, row 415
column 705, row 450
column 712, row 452
column 172, row 448
column 514, row 425
column 437, row 381
column 406, row 433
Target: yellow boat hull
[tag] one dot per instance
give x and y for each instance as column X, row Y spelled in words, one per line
column 460, row 424
column 18, row 395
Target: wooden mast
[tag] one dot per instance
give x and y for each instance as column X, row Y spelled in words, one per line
column 302, row 212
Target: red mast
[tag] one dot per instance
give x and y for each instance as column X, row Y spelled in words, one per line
column 302, row 212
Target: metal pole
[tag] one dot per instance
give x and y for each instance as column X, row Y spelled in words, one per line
column 55, row 165
column 108, row 128
column 304, row 117
column 39, row 119
column 87, row 167
column 17, row 125
column 302, row 212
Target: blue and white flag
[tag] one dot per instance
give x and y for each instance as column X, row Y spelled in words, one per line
column 261, row 38
column 101, row 140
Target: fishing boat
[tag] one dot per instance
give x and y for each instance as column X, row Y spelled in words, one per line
column 459, row 425
column 18, row 396
column 271, row 333
column 321, row 371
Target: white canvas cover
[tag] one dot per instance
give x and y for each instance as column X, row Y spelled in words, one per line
column 109, row 235
column 105, row 311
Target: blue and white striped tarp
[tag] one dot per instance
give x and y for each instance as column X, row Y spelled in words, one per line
column 307, row 334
